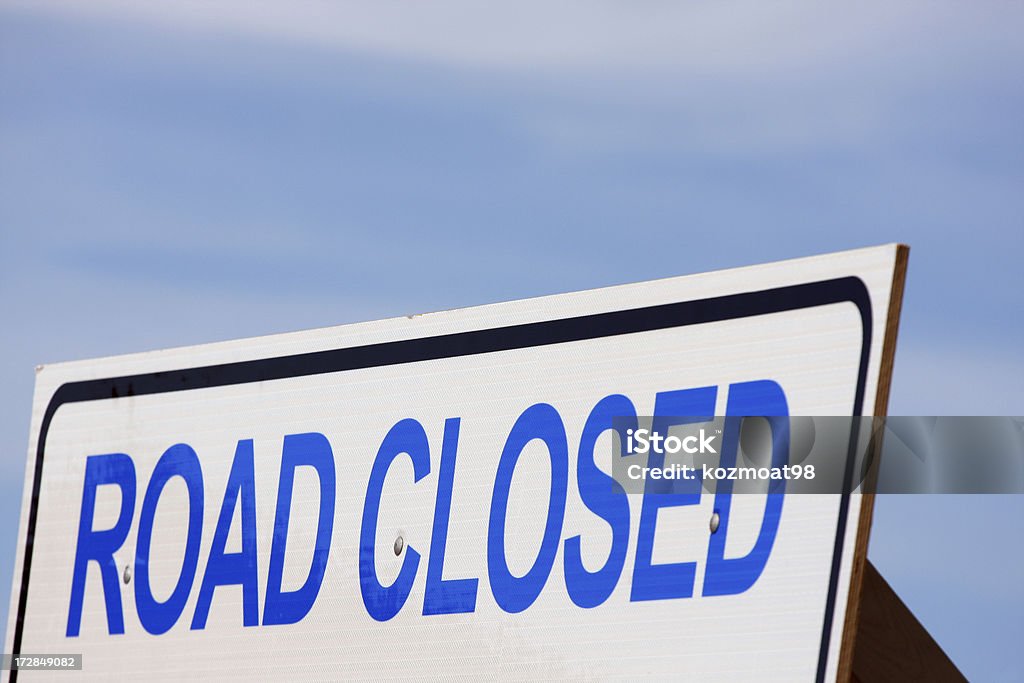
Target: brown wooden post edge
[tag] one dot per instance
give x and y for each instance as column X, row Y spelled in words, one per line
column 867, row 506
column 892, row 645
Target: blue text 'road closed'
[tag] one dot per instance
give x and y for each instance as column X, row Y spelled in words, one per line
column 270, row 603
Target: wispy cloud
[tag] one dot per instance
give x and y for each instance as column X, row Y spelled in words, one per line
column 785, row 38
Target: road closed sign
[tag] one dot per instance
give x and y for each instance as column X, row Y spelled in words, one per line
column 435, row 496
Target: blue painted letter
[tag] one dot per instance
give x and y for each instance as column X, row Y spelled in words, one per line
column 177, row 461
column 672, row 580
column 384, row 602
column 446, row 596
column 228, row 569
column 310, row 450
column 728, row 576
column 604, row 497
column 514, row 594
column 100, row 546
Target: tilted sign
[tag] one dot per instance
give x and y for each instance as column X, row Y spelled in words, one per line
column 431, row 496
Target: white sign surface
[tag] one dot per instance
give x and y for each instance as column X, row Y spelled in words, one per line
column 429, row 496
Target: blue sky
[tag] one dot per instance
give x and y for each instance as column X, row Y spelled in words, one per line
column 175, row 174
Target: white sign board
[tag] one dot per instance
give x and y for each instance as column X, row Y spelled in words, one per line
column 429, row 496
